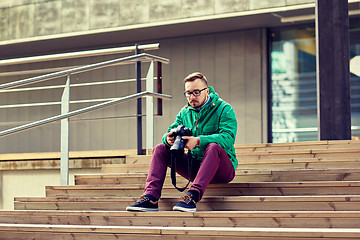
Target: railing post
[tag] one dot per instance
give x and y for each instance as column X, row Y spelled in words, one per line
column 64, row 160
column 139, row 103
column 150, row 109
column 159, row 88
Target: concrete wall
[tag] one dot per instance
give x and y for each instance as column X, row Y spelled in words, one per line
column 33, row 18
column 31, row 183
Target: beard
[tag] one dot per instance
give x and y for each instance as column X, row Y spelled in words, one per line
column 196, row 104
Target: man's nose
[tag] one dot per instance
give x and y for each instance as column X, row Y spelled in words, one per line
column 192, row 95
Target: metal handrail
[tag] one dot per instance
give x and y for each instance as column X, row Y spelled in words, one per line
column 81, row 111
column 124, row 60
column 65, row 100
column 61, row 86
column 71, row 85
column 89, row 53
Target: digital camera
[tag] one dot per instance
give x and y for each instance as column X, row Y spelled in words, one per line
column 179, row 143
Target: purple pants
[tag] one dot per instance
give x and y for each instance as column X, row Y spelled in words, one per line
column 216, row 167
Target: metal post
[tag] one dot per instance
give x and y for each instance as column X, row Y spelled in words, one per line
column 139, row 105
column 159, row 88
column 64, row 160
column 150, row 109
column 333, row 76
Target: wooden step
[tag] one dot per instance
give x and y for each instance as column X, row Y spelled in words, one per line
column 103, row 179
column 300, row 175
column 138, row 159
column 286, row 159
column 311, row 145
column 293, row 157
column 272, row 161
column 304, row 152
column 125, row 168
column 241, row 169
column 317, row 175
column 286, row 219
column 230, row 189
column 143, row 169
column 28, row 231
column 256, row 163
column 241, row 176
column 226, row 203
column 279, row 156
column 300, row 166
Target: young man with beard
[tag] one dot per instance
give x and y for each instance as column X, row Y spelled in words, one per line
column 211, row 146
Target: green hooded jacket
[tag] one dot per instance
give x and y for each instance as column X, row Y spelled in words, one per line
column 214, row 123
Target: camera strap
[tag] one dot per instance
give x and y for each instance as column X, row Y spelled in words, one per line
column 174, row 155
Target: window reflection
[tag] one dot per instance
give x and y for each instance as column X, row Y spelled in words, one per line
column 293, row 84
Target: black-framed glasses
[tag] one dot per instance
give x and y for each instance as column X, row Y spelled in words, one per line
column 196, row 93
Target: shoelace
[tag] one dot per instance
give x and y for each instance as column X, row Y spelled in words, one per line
column 143, row 199
column 186, row 199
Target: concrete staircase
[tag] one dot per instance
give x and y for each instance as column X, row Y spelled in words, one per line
column 308, row 190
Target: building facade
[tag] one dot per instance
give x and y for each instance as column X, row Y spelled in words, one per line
column 258, row 55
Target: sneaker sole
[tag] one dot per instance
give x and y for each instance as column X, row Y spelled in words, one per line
column 140, row 209
column 181, row 209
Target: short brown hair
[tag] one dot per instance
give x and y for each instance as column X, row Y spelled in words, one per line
column 196, row 75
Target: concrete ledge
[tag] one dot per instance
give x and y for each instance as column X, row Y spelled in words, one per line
column 72, row 154
column 51, row 160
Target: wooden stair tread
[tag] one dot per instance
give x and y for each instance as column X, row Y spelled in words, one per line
column 227, row 189
column 260, row 162
column 111, row 174
column 339, row 174
column 186, row 231
column 248, row 169
column 296, row 152
column 239, row 171
column 280, row 148
column 222, row 185
column 260, row 203
column 312, row 219
column 143, row 169
column 335, row 152
column 317, row 171
column 305, row 143
column 299, row 166
column 212, row 214
column 341, row 198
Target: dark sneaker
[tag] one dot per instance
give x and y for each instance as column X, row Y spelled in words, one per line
column 187, row 204
column 146, row 203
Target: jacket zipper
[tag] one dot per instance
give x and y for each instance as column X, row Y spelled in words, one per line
column 197, row 119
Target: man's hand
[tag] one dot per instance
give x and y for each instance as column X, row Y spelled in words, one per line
column 170, row 139
column 192, row 142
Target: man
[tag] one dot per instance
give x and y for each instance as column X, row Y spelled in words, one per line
column 214, row 126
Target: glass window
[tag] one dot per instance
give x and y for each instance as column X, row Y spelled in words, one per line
column 293, row 84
